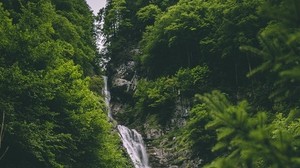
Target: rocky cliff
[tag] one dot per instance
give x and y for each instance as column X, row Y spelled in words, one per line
column 162, row 143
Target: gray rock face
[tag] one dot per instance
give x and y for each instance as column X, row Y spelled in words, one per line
column 164, row 152
column 125, row 78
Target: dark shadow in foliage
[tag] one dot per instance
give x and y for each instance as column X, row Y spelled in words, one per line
column 202, row 140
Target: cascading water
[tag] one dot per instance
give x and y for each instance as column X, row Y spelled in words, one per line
column 107, row 98
column 132, row 140
column 134, row 144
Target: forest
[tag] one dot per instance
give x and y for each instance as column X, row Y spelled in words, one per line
column 233, row 63
column 52, row 111
column 217, row 81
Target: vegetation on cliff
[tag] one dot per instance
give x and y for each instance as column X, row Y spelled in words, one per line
column 231, row 66
column 248, row 50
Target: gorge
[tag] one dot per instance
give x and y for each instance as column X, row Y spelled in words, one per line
column 190, row 83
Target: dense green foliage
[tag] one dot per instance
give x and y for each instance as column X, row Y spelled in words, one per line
column 280, row 50
column 52, row 118
column 193, row 140
column 124, row 24
column 193, row 32
column 246, row 49
column 159, row 96
column 250, row 139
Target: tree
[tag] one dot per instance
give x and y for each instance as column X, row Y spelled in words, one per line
column 201, row 32
column 279, row 51
column 251, row 140
column 170, row 41
column 148, row 14
column 123, row 28
column 52, row 117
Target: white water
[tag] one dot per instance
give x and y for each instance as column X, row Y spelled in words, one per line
column 106, row 93
column 132, row 140
column 134, row 144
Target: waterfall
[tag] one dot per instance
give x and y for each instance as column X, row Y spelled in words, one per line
column 134, row 144
column 106, row 93
column 131, row 139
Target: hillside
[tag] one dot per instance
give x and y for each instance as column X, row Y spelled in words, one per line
column 190, row 83
column 208, row 83
column 52, row 111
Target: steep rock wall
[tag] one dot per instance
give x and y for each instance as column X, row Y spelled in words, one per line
column 161, row 145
